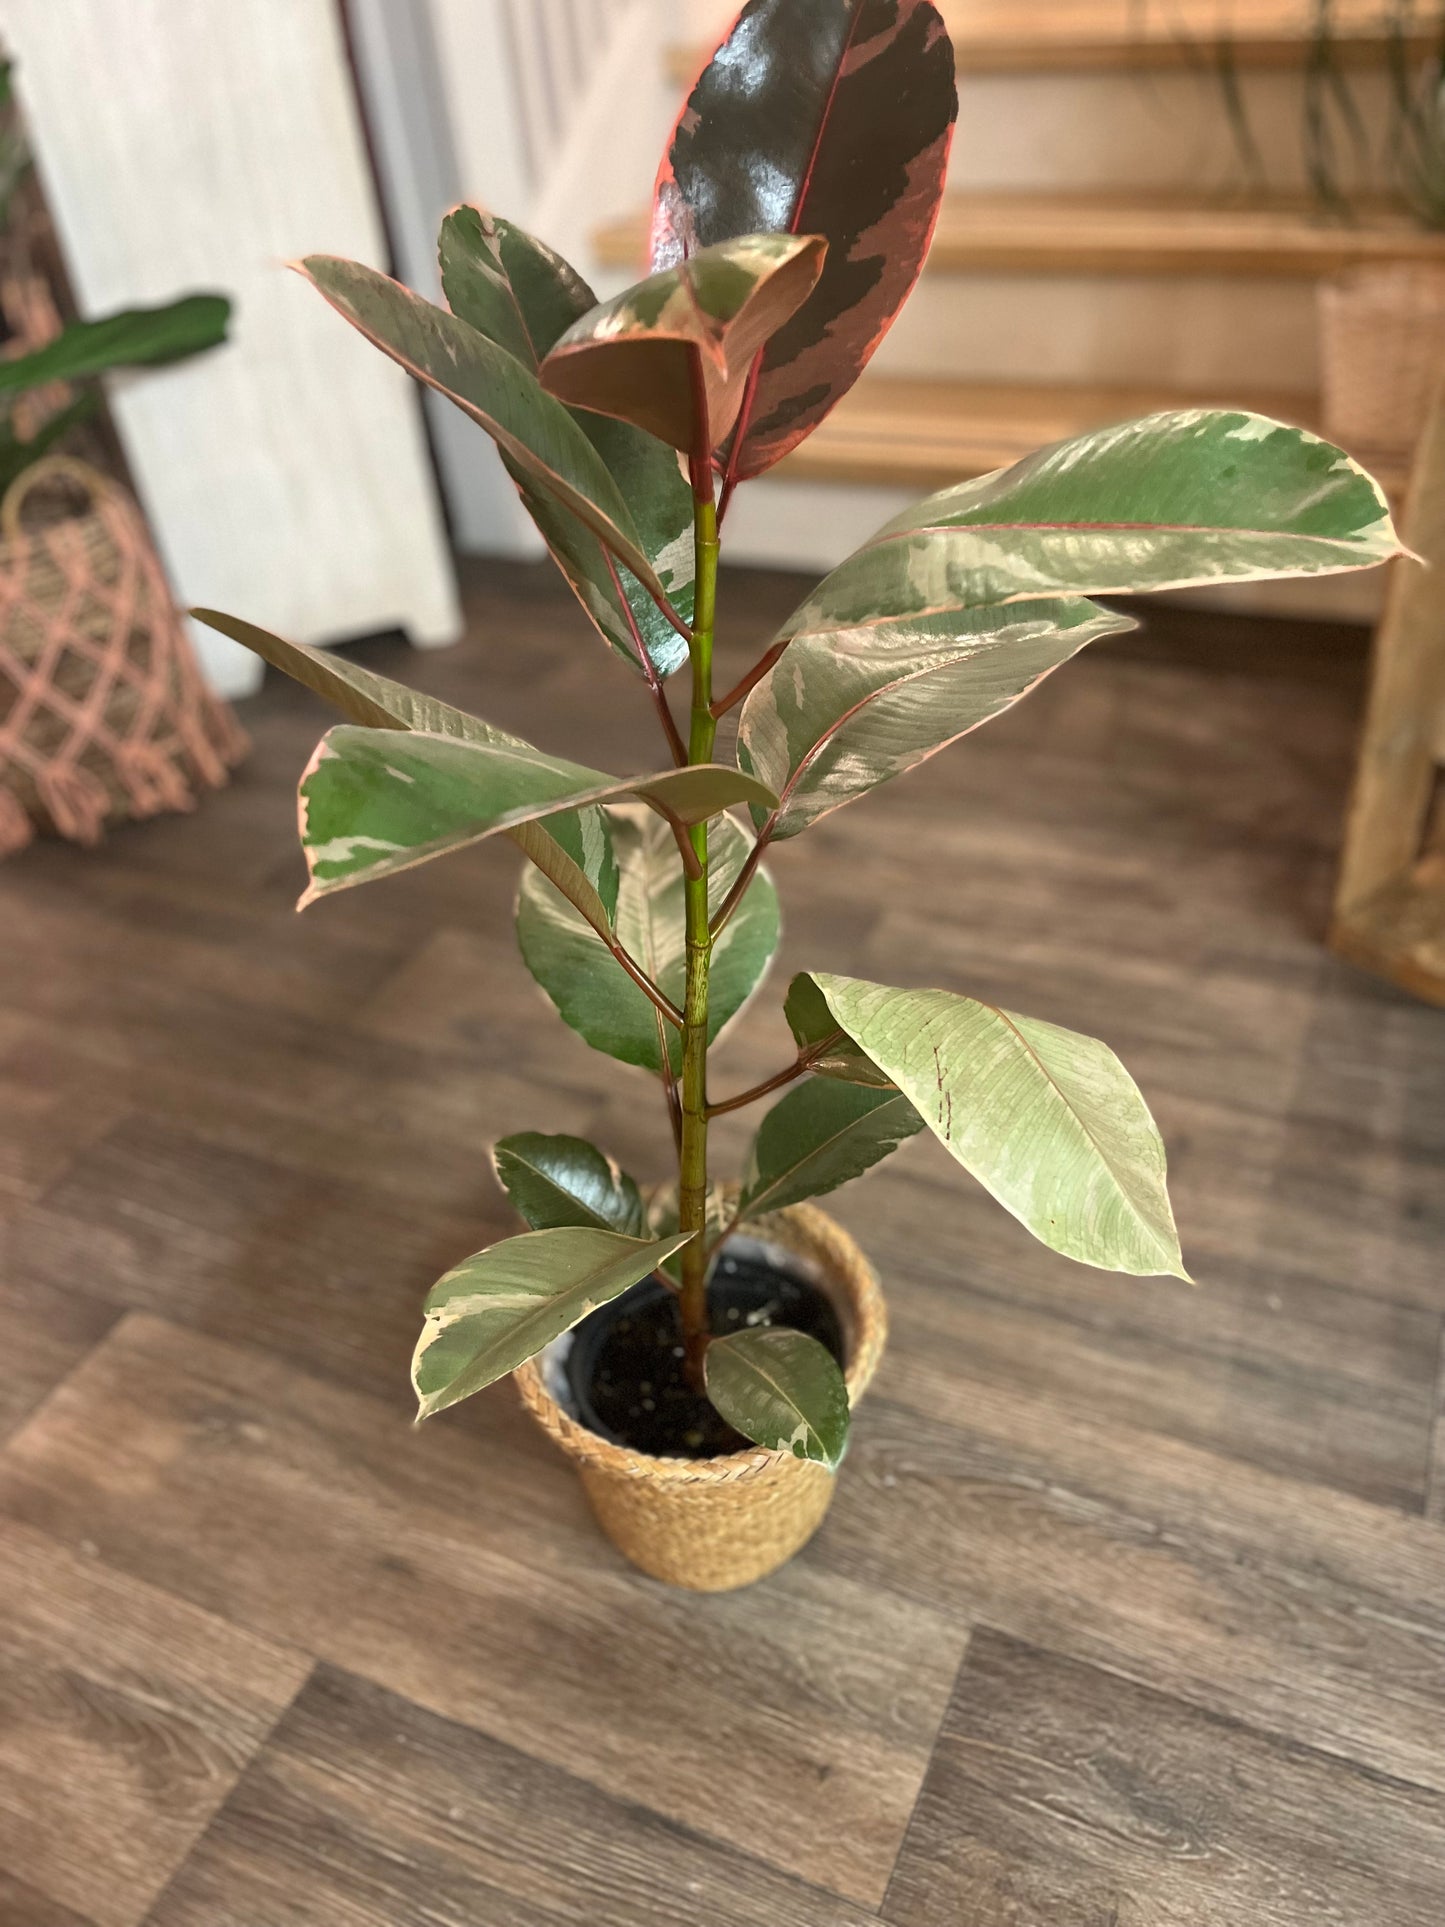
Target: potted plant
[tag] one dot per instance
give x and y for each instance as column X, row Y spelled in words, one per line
column 699, row 1350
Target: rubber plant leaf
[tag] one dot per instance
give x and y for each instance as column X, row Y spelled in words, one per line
column 822, row 1041
column 782, row 1390
column 502, row 1306
column 830, row 117
column 134, row 338
column 845, row 710
column 492, row 387
column 591, row 991
column 1174, row 501
column 574, row 851
column 373, row 802
column 821, row 1135
column 686, row 337
column 555, row 1181
column 1050, row 1122
column 521, row 295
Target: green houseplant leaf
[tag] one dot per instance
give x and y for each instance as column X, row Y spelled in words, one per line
column 493, row 387
column 133, row 338
column 841, row 712
column 374, row 802
column 503, row 1305
column 574, row 851
column 829, row 117
column 822, row 1042
column 783, row 1390
column 1173, row 501
column 819, row 1136
column 517, row 292
column 1050, row 1122
column 643, row 355
column 556, row 1181
column 594, row 995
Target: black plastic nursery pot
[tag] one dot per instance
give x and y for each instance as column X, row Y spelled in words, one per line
column 703, row 1509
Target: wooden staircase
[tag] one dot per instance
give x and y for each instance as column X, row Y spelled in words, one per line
column 1080, row 36
column 922, row 432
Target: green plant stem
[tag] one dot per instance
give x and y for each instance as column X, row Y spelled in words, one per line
column 692, row 1155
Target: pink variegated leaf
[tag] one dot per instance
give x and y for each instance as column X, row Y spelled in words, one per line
column 829, row 117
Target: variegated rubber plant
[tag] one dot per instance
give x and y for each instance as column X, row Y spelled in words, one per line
column 792, row 215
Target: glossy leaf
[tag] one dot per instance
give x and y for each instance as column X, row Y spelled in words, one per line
column 1174, row 501
column 590, row 989
column 829, row 117
column 782, row 1390
column 1050, row 1122
column 555, row 1181
column 820, row 1135
column 841, row 712
column 820, row 1038
column 574, row 851
column 517, row 292
column 134, row 338
column 491, row 386
column 374, row 802
column 503, row 1305
column 637, row 357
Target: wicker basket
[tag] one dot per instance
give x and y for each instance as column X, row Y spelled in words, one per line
column 715, row 1524
column 1382, row 353
column 103, row 712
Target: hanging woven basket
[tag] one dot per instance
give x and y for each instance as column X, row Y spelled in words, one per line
column 1382, row 357
column 104, row 715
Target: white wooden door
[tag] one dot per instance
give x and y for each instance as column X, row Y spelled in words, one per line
column 202, row 144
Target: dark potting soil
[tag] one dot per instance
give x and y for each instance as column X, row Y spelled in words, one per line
column 625, row 1365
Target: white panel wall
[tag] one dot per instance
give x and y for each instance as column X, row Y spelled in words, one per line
column 202, row 143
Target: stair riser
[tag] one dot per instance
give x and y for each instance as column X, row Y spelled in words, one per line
column 1196, row 332
column 1123, row 130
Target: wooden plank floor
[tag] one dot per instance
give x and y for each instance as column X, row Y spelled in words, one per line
column 1131, row 1609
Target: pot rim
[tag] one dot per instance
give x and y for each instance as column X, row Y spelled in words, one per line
column 852, row 1283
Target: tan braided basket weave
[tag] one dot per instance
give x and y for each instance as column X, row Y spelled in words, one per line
column 104, row 714
column 714, row 1524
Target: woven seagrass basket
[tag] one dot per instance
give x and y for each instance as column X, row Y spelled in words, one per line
column 104, row 714
column 1382, row 356
column 712, row 1525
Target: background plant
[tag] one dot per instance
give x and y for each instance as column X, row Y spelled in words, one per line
column 132, row 337
column 792, row 214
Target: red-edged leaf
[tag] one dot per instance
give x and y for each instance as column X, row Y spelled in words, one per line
column 643, row 355
column 829, row 117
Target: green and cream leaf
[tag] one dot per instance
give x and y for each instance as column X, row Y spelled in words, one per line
column 556, row 1180
column 1176, row 500
column 590, row 989
column 374, row 803
column 505, row 1304
column 841, row 712
column 521, row 295
column 819, row 1136
column 573, row 849
column 488, row 383
column 1047, row 1120
column 782, row 1390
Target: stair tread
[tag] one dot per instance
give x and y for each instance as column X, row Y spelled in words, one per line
column 923, row 434
column 1021, row 36
column 1136, row 233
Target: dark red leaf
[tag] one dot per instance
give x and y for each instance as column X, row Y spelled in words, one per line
column 829, row 117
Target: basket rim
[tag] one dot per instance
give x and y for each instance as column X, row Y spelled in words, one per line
column 810, row 1232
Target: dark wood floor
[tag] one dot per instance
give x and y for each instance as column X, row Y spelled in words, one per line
column 1131, row 1610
